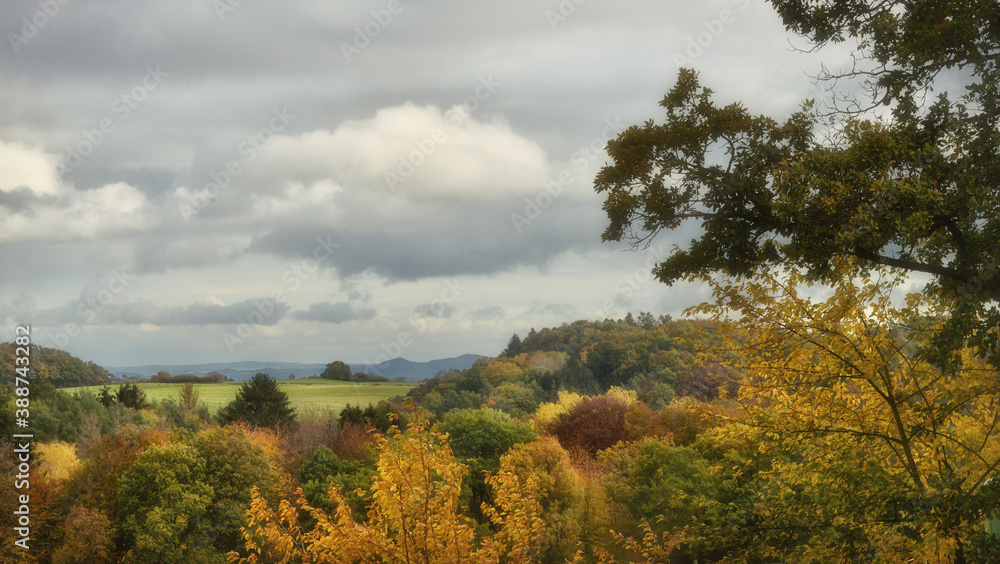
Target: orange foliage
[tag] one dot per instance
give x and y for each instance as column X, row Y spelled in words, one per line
column 87, row 538
column 96, row 483
column 685, row 419
column 593, row 424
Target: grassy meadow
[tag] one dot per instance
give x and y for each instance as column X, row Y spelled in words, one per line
column 306, row 396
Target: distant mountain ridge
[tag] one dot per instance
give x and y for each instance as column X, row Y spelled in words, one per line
column 244, row 370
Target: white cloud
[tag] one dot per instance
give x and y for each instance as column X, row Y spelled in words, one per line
column 73, row 215
column 24, row 167
column 432, row 153
column 48, row 209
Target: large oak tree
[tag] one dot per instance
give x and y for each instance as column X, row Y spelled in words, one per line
column 913, row 186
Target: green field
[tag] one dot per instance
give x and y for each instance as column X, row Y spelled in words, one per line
column 306, row 396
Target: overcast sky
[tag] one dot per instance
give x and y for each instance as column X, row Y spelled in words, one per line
column 211, row 181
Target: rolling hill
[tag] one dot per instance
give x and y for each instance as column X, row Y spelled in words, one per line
column 395, row 369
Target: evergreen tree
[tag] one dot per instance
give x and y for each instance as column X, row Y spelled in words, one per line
column 260, row 403
column 130, row 395
column 646, row 320
column 513, row 346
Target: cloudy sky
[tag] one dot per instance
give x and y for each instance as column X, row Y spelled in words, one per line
column 212, row 181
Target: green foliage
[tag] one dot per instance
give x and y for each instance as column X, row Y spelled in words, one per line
column 165, row 503
column 381, row 416
column 513, row 346
column 630, row 355
column 917, row 191
column 479, row 437
column 517, row 398
column 655, row 357
column 233, row 465
column 55, row 367
column 131, row 396
column 655, row 478
column 55, row 414
column 164, row 377
column 259, row 402
column 183, row 501
column 452, row 390
column 325, row 468
column 337, row 370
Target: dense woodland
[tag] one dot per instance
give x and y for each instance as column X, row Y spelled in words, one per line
column 644, row 440
column 55, row 368
column 168, row 481
column 816, row 409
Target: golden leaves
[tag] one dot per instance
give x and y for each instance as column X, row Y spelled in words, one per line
column 414, row 517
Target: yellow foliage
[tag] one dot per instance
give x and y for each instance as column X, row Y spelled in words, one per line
column 58, row 460
column 557, row 489
column 517, row 515
column 548, row 414
column 630, row 397
column 414, row 517
column 270, row 441
column 653, row 548
column 149, row 417
column 499, row 371
column 837, row 383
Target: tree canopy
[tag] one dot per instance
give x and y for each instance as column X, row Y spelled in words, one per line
column 912, row 187
column 337, row 370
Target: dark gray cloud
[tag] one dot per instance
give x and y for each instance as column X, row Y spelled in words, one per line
column 103, row 307
column 435, row 310
column 19, row 200
column 491, row 313
column 458, row 242
column 86, row 81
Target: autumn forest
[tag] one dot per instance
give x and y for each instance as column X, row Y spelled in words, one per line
column 834, row 398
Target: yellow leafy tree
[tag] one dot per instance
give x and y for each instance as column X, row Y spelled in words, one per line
column 414, row 517
column 517, row 515
column 653, row 548
column 58, row 460
column 549, row 413
column 878, row 454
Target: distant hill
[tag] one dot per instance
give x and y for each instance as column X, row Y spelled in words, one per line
column 417, row 371
column 244, row 370
column 57, row 367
